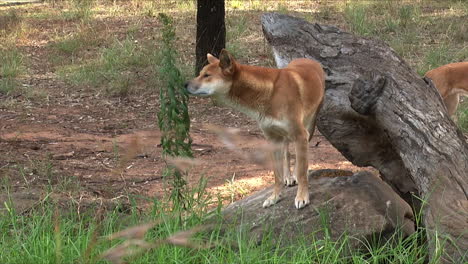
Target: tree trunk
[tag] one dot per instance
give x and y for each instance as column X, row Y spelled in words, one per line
column 378, row 112
column 211, row 31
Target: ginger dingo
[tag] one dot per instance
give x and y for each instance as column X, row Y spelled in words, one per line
column 285, row 102
column 452, row 81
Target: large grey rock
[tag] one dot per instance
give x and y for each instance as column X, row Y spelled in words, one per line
column 361, row 205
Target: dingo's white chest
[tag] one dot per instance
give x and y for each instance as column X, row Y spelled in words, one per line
column 270, row 126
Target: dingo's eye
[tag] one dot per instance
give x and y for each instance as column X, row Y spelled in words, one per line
column 206, row 75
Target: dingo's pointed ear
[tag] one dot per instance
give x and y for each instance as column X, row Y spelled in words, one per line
column 226, row 61
column 211, row 58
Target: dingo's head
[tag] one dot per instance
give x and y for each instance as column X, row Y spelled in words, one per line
column 215, row 78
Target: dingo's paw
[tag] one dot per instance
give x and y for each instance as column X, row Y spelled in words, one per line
column 271, row 201
column 301, row 202
column 290, row 180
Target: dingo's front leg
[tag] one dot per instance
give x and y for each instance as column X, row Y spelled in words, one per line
column 302, row 196
column 278, row 172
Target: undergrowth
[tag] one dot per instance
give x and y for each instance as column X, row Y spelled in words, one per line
column 462, row 116
column 9, row 22
column 64, row 233
column 81, row 10
column 116, row 69
column 236, row 27
column 11, row 67
column 74, row 44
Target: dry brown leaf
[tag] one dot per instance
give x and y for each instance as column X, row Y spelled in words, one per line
column 134, row 246
column 136, row 232
column 116, row 255
column 126, row 249
column 130, row 152
column 182, row 238
column 263, row 155
column 183, row 163
column 229, row 136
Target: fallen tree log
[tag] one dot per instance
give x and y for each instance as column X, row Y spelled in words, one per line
column 378, row 112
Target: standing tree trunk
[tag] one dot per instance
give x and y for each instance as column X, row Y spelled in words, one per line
column 378, row 112
column 211, row 30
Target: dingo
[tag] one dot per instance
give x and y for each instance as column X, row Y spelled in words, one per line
column 285, row 102
column 452, row 81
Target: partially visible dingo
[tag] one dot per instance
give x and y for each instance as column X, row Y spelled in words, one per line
column 285, row 102
column 452, row 81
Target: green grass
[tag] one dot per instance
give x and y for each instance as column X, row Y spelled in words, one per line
column 387, row 20
column 116, row 69
column 409, row 32
column 357, row 15
column 11, row 59
column 73, row 43
column 408, row 15
column 67, row 232
column 77, row 47
column 68, row 235
column 81, row 10
column 435, row 57
column 9, row 21
column 10, row 68
column 462, row 116
column 186, row 5
column 236, row 28
column 441, row 55
column 43, row 237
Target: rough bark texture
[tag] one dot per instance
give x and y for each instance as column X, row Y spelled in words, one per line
column 211, row 30
column 361, row 205
column 378, row 112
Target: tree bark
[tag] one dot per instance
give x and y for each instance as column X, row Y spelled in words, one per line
column 211, row 30
column 378, row 112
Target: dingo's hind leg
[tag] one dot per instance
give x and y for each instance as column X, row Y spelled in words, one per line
column 288, row 178
column 301, row 145
column 278, row 160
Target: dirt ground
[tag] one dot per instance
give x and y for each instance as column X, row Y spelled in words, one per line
column 94, row 147
column 88, row 142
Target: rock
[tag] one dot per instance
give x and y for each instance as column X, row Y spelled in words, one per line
column 361, row 205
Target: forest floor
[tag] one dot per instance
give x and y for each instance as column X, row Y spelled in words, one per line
column 92, row 139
